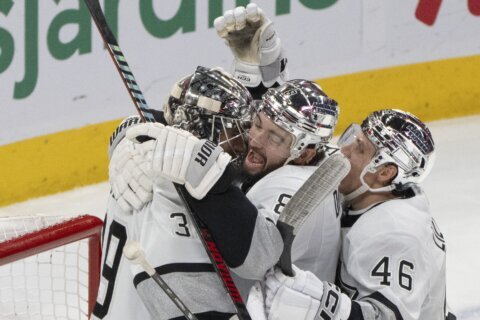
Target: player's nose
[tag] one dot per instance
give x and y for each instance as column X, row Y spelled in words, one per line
column 256, row 140
column 345, row 150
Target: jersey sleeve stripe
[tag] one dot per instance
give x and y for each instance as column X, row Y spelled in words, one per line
column 209, row 315
column 387, row 303
column 356, row 312
column 175, row 268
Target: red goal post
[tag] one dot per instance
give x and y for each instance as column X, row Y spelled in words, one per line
column 53, row 241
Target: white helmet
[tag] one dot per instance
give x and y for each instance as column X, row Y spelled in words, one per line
column 399, row 138
column 208, row 102
column 301, row 108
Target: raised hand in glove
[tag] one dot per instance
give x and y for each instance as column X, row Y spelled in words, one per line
column 255, row 45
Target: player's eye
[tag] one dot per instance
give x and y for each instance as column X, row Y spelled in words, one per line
column 276, row 140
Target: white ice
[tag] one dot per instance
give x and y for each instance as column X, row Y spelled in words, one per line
column 451, row 187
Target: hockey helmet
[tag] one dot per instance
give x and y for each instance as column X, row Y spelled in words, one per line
column 209, row 102
column 301, row 108
column 400, row 138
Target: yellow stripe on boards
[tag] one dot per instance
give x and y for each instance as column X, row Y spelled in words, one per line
column 73, row 158
column 432, row 90
column 55, row 162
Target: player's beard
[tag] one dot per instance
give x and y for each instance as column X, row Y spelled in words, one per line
column 248, row 179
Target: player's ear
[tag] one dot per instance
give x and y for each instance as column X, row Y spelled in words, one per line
column 386, row 173
column 307, row 155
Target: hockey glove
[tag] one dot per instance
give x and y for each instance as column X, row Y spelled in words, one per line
column 120, row 132
column 130, row 174
column 180, row 157
column 255, row 46
column 304, row 297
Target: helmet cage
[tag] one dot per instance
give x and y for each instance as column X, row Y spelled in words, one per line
column 207, row 103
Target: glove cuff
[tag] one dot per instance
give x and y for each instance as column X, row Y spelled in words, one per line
column 120, row 133
column 334, row 304
column 252, row 75
column 226, row 180
column 246, row 73
column 275, row 71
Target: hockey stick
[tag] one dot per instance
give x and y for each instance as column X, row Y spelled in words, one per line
column 318, row 186
column 134, row 252
column 146, row 113
column 119, row 60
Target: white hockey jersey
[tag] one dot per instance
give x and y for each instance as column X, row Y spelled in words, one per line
column 317, row 244
column 173, row 248
column 393, row 261
column 117, row 297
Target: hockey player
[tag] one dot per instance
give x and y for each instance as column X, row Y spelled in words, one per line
column 293, row 124
column 259, row 63
column 290, row 133
column 210, row 104
column 287, row 139
column 392, row 264
column 316, row 115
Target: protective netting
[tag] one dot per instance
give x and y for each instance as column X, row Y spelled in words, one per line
column 49, row 285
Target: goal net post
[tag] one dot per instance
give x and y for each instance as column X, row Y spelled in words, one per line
column 49, row 266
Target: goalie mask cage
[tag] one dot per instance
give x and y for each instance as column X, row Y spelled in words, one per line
column 49, row 267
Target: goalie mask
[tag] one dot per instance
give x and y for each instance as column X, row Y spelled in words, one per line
column 399, row 138
column 212, row 105
column 301, row 108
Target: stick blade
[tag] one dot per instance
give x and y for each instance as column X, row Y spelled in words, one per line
column 318, row 186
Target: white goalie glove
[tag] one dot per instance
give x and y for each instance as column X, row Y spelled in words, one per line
column 255, row 45
column 182, row 158
column 120, row 133
column 302, row 297
column 130, row 176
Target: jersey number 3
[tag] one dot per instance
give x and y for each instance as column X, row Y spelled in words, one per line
column 181, row 223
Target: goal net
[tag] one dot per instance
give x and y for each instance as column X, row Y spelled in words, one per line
column 49, row 267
